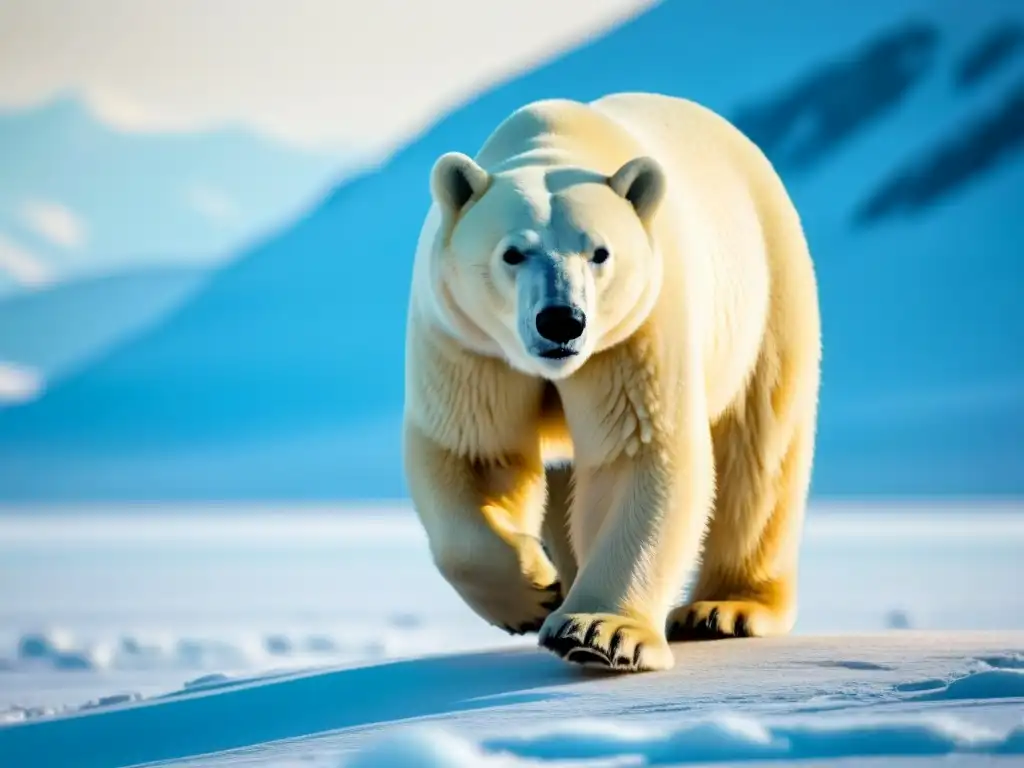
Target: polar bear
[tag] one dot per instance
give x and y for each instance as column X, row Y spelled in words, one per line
column 612, row 374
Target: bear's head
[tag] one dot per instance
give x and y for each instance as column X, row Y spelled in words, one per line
column 543, row 265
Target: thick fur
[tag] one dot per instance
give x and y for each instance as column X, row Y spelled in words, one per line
column 575, row 497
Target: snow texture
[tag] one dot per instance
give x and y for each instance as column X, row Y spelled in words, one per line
column 726, row 702
column 324, row 638
column 723, row 739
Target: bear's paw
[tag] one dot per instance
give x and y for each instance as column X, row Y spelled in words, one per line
column 717, row 620
column 606, row 641
column 510, row 583
column 536, row 604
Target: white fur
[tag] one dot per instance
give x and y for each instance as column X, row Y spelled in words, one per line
column 697, row 368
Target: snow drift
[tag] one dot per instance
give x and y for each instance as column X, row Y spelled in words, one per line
column 725, row 702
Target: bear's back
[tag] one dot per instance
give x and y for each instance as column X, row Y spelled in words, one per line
column 701, row 151
column 556, row 131
column 722, row 195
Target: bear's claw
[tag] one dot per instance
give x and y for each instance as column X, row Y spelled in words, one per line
column 553, row 597
column 714, row 620
column 556, row 597
column 707, row 628
column 526, row 628
column 606, row 641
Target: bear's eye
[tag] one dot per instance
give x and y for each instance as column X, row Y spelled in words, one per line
column 601, row 255
column 513, row 256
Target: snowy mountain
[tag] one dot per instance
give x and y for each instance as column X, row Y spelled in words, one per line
column 898, row 128
column 77, row 195
column 60, row 329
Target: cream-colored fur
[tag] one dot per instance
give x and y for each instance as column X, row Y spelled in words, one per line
column 686, row 418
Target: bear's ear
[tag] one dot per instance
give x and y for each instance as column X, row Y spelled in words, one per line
column 642, row 182
column 455, row 180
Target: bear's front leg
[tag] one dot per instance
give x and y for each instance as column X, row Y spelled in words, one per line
column 483, row 522
column 637, row 524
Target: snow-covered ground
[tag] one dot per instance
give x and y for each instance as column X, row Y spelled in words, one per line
column 323, row 637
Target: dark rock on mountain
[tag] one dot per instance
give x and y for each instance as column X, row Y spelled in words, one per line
column 797, row 129
column 990, row 54
column 971, row 151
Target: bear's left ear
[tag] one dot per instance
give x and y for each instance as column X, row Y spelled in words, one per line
column 642, row 182
column 455, row 180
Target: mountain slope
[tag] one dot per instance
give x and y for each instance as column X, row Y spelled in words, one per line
column 84, row 197
column 270, row 381
column 59, row 329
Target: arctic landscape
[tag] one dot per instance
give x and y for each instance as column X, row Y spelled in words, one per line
column 207, row 555
column 325, row 637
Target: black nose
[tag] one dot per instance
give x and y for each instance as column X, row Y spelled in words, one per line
column 561, row 324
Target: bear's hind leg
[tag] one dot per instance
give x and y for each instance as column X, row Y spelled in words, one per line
column 764, row 447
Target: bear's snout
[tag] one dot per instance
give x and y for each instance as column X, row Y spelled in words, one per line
column 561, row 323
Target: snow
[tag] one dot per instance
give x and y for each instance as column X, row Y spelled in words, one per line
column 717, row 739
column 88, row 198
column 284, row 635
column 18, row 383
column 721, row 739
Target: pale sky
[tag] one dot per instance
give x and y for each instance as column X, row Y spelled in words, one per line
column 352, row 75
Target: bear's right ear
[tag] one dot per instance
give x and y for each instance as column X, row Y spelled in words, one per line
column 642, row 182
column 455, row 180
